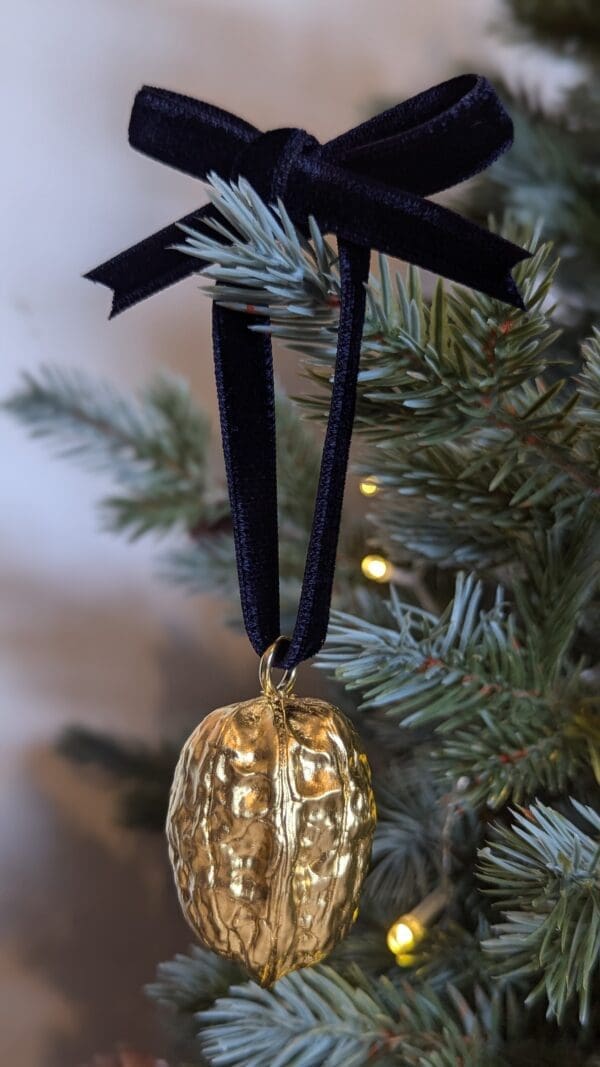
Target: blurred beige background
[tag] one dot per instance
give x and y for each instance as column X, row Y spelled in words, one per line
column 88, row 633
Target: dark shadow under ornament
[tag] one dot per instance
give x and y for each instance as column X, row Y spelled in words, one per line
column 272, row 814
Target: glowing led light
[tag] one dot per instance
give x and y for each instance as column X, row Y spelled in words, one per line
column 407, row 931
column 400, row 938
column 369, row 486
column 377, row 568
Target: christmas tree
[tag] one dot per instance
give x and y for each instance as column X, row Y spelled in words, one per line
column 463, row 641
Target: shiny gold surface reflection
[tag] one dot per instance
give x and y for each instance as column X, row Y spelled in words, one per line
column 270, row 825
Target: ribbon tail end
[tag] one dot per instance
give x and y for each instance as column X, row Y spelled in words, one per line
column 511, row 293
column 506, row 288
column 120, row 302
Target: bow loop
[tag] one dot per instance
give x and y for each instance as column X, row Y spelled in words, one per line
column 432, row 141
column 187, row 134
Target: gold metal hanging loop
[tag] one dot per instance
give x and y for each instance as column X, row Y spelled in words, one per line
column 270, row 687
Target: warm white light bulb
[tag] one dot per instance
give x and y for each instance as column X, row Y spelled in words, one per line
column 406, row 933
column 377, row 568
column 400, row 938
column 369, row 486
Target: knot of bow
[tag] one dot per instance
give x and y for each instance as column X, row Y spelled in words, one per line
column 369, row 187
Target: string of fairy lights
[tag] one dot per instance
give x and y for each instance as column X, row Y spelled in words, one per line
column 374, row 567
column 406, row 933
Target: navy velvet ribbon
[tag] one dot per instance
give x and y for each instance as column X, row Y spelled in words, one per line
column 368, row 187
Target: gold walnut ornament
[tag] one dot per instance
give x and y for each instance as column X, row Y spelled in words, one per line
column 270, row 823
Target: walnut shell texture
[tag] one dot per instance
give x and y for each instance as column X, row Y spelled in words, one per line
column 270, row 824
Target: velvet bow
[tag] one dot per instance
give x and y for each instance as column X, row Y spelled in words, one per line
column 369, row 188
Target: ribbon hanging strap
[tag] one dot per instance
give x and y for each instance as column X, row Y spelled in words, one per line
column 369, row 187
